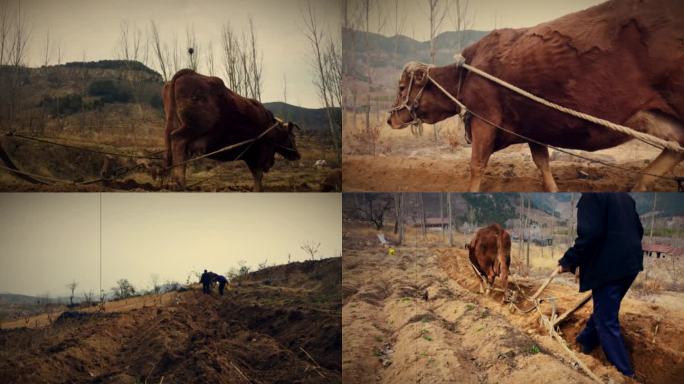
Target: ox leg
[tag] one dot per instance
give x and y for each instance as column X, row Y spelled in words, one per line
column 479, row 279
column 258, row 175
column 540, row 155
column 178, row 152
column 504, row 283
column 483, row 147
column 663, row 164
column 490, row 283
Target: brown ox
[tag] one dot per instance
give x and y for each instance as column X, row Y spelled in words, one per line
column 203, row 116
column 622, row 61
column 490, row 253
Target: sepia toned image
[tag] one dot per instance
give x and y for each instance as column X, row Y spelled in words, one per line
column 513, row 96
column 170, row 95
column 466, row 287
column 170, row 288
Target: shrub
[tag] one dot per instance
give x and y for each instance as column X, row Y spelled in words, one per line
column 110, row 92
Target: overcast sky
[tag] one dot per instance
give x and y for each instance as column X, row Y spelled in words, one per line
column 485, row 14
column 93, row 27
column 46, row 240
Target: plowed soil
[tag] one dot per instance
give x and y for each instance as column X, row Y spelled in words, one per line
column 279, row 325
column 418, row 317
column 437, row 168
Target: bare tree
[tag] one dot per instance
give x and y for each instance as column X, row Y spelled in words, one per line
column 256, row 63
column 437, row 12
column 210, row 60
column 399, row 224
column 130, row 37
column 20, row 38
column 653, row 215
column 311, row 248
column 423, row 225
column 242, row 64
column 123, row 289
column 373, row 208
column 327, row 65
column 46, row 50
column 462, row 20
column 72, row 287
column 88, row 296
column 193, row 48
column 5, row 28
column 159, row 52
column 154, row 278
column 451, row 226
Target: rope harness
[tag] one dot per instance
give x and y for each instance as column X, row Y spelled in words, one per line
column 122, row 171
column 551, row 322
column 465, row 113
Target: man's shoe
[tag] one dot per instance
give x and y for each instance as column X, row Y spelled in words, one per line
column 584, row 349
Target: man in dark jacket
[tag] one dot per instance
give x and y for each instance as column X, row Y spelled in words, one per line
column 608, row 252
column 205, row 279
column 222, row 283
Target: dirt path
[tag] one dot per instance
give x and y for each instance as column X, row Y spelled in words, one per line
column 511, row 170
column 458, row 334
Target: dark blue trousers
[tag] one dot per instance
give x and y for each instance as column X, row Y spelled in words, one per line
column 603, row 326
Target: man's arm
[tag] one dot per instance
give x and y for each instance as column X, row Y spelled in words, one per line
column 590, row 228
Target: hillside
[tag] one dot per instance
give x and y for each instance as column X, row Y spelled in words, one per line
column 83, row 110
column 278, row 325
column 309, row 119
column 386, row 57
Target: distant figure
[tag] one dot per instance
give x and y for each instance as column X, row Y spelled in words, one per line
column 222, row 283
column 205, row 279
column 609, row 255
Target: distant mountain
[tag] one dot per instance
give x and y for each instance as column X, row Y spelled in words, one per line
column 401, row 49
column 13, row 298
column 667, row 204
column 308, row 119
column 386, row 57
column 18, row 299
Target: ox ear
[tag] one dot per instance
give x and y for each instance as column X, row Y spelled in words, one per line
column 292, row 126
column 419, row 75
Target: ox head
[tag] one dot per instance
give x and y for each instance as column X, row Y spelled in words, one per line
column 418, row 99
column 284, row 140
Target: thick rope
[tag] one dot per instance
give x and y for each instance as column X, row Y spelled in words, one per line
column 229, row 147
column 118, row 154
column 678, row 180
column 646, row 138
column 36, row 176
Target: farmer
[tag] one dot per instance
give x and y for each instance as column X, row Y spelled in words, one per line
column 222, row 283
column 205, row 279
column 608, row 252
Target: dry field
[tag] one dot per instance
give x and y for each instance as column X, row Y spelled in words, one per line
column 279, row 325
column 203, row 176
column 404, row 162
column 418, row 317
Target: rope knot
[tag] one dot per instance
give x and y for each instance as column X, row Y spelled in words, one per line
column 459, row 59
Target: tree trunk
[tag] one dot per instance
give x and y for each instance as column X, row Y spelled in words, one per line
column 451, row 229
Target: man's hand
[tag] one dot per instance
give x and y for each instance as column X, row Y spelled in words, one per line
column 562, row 269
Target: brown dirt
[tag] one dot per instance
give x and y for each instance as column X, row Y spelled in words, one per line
column 437, row 168
column 203, row 176
column 459, row 333
column 260, row 329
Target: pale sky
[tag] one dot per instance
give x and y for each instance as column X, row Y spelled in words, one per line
column 48, row 240
column 93, row 27
column 485, row 15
